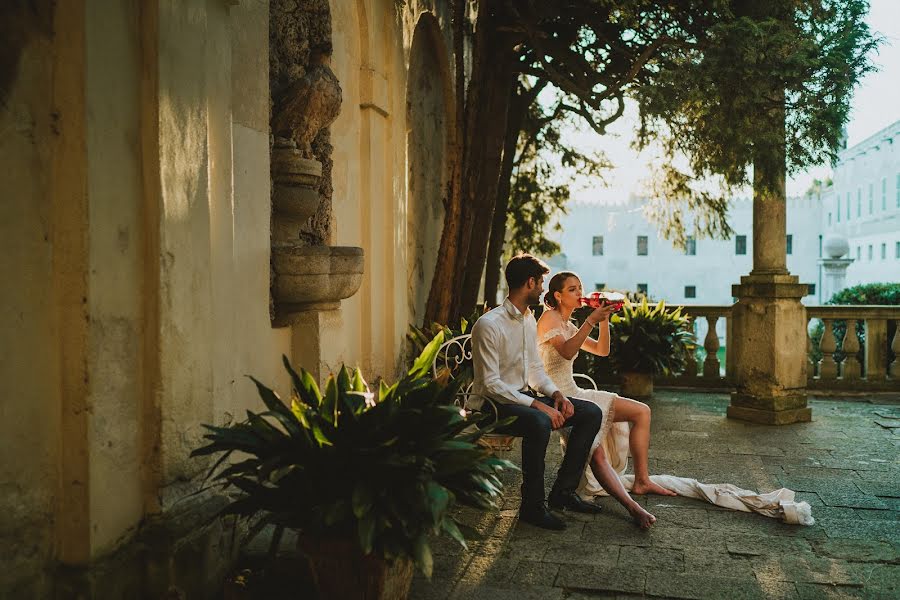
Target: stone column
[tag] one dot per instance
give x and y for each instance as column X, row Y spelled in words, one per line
column 768, row 320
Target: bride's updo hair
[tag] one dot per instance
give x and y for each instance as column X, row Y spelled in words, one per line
column 556, row 285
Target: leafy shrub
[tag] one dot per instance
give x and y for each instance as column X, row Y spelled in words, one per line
column 383, row 468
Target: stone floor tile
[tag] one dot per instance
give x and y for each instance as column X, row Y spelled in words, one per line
column 816, row 591
column 719, row 564
column 532, row 572
column 857, row 550
column 477, row 591
column 636, row 558
column 600, row 579
column 693, row 585
column 852, row 500
column 806, row 568
column 882, row 530
column 875, row 515
column 435, row 589
column 586, row 553
column 762, row 545
column 681, row 517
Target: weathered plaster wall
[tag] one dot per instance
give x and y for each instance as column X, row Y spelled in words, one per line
column 135, row 260
column 29, row 380
column 372, row 42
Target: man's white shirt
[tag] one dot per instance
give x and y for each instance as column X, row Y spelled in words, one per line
column 505, row 357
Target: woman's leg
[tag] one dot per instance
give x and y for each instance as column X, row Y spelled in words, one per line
column 638, row 414
column 610, row 482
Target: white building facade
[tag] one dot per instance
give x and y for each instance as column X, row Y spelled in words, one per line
column 616, row 247
column 864, row 207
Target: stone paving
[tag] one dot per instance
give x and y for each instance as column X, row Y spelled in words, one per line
column 845, row 464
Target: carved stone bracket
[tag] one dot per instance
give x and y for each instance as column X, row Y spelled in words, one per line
column 314, row 278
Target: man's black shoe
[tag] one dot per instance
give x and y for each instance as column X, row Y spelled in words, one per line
column 539, row 516
column 571, row 501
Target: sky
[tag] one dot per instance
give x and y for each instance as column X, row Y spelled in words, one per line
column 875, row 105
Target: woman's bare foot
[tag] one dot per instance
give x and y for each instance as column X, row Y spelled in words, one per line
column 643, row 519
column 648, row 487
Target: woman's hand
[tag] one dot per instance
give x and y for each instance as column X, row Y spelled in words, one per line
column 601, row 314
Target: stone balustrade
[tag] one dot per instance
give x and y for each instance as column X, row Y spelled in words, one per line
column 709, row 374
column 840, row 367
column 873, row 372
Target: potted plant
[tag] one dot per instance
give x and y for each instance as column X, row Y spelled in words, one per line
column 364, row 477
column 646, row 341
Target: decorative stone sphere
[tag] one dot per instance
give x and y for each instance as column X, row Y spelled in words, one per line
column 836, row 246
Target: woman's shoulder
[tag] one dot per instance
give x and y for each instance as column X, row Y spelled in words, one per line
column 550, row 319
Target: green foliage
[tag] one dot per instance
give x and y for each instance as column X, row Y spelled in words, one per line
column 538, row 193
column 650, row 339
column 764, row 78
column 869, row 293
column 382, row 467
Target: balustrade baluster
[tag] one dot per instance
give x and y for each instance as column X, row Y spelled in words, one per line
column 828, row 369
column 876, row 349
column 711, row 345
column 895, row 347
column 690, row 365
column 850, row 367
column 809, row 359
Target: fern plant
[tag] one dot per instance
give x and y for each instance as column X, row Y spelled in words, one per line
column 383, row 468
column 650, row 339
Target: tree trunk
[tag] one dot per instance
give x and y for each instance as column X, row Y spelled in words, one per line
column 519, row 103
column 443, row 287
column 487, row 105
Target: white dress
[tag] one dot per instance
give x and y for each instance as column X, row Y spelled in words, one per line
column 779, row 504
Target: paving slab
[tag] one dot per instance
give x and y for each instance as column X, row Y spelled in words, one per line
column 843, row 463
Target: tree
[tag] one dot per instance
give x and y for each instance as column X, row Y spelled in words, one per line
column 530, row 194
column 591, row 51
column 768, row 86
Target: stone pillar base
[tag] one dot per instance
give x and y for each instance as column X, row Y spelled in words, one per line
column 769, row 350
column 774, row 410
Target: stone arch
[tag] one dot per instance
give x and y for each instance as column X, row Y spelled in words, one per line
column 429, row 125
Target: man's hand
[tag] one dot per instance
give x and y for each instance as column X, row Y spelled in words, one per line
column 556, row 417
column 563, row 405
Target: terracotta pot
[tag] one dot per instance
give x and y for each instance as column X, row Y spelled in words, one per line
column 637, row 385
column 340, row 570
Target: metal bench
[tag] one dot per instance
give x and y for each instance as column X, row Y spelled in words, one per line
column 454, row 360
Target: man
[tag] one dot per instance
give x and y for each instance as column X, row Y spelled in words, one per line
column 506, row 364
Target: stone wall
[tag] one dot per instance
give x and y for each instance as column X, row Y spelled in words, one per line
column 135, row 250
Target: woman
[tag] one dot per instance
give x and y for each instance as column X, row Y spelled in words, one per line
column 626, row 422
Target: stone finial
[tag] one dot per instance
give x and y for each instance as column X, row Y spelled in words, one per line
column 836, row 246
column 309, row 104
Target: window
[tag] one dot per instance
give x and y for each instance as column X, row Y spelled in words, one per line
column 598, row 245
column 690, row 246
column 883, row 251
column 858, row 253
column 870, row 251
column 859, row 202
column 838, row 209
column 829, row 219
column 871, row 198
column 599, row 287
column 642, row 245
column 690, row 291
column 897, row 188
column 884, row 193
column 812, row 289
column 790, row 244
column 848, row 206
column 642, row 288
column 740, row 244
column 897, row 251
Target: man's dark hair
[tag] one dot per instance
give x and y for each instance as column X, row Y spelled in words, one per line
column 521, row 267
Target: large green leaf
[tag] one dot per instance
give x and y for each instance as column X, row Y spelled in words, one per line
column 423, row 363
